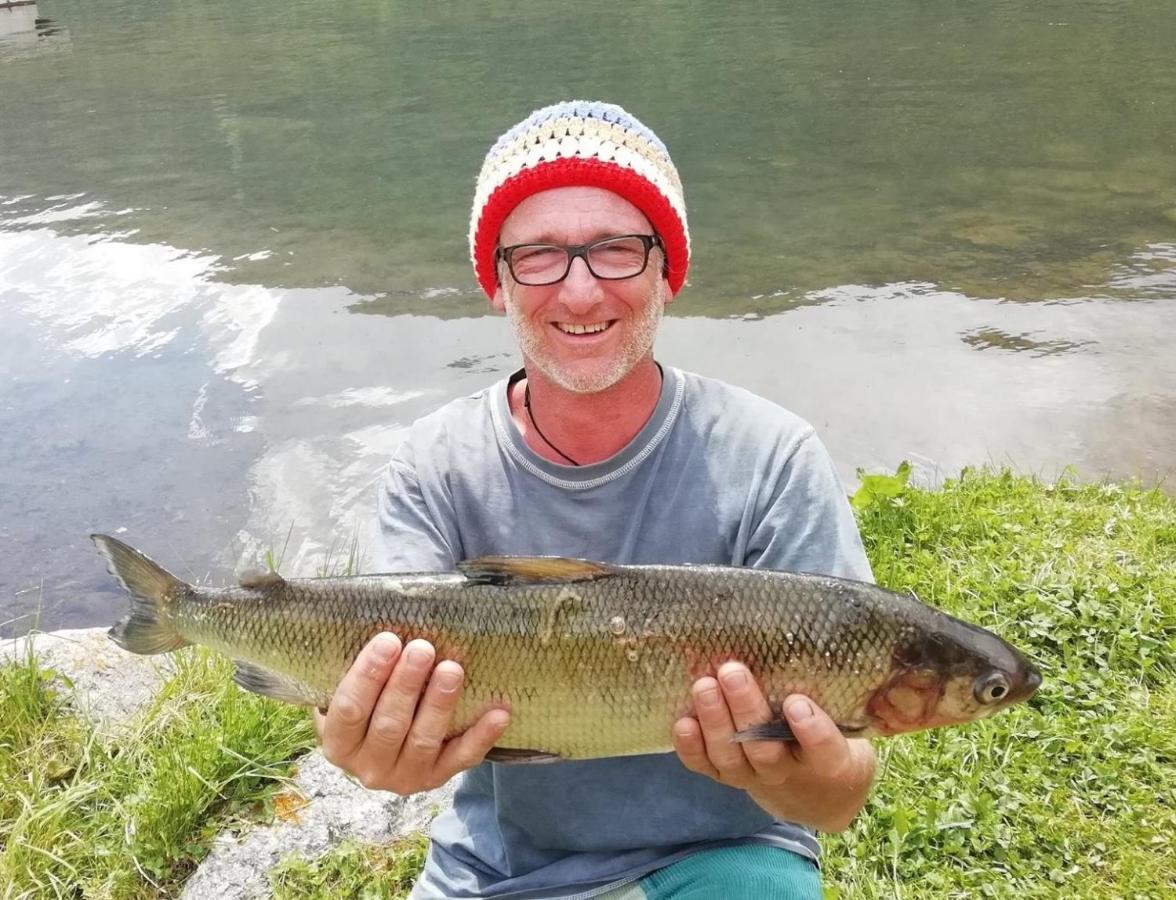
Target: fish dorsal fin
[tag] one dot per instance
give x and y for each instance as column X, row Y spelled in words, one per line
column 508, row 570
column 258, row 580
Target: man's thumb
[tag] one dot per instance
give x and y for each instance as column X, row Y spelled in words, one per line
column 818, row 736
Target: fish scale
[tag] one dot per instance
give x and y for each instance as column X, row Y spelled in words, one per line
column 594, row 660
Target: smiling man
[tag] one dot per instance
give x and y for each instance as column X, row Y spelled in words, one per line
column 593, row 449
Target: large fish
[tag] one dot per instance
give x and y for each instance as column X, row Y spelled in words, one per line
column 593, row 660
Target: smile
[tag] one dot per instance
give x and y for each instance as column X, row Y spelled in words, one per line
column 594, row 328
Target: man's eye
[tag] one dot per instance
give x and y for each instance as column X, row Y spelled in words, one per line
column 621, row 247
column 537, row 254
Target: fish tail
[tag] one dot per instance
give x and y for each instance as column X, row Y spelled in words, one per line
column 149, row 628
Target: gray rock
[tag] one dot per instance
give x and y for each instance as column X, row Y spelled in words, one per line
column 327, row 807
column 109, row 684
column 336, row 809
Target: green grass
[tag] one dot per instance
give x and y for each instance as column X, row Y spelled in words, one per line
column 353, row 870
column 130, row 813
column 1071, row 795
column 1074, row 794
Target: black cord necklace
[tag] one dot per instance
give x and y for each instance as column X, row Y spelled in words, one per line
column 531, row 416
column 538, row 430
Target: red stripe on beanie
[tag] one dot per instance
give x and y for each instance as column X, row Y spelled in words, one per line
column 576, row 172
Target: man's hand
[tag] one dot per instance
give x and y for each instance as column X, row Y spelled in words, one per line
column 390, row 714
column 821, row 780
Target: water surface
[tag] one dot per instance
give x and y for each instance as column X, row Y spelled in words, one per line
column 233, row 265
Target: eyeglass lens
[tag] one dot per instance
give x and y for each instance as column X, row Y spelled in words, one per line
column 621, row 257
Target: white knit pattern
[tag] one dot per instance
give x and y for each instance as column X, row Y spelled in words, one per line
column 579, row 130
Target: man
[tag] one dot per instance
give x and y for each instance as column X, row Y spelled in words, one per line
column 595, row 450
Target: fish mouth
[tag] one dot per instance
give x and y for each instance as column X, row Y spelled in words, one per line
column 1023, row 688
column 1030, row 685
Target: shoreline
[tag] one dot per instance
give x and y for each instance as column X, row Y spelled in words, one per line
column 158, row 775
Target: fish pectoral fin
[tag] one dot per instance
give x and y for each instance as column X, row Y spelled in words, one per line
column 775, row 730
column 260, row 580
column 780, row 730
column 268, row 683
column 507, row 570
column 513, row 755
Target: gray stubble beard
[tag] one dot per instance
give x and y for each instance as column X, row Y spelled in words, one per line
column 636, row 348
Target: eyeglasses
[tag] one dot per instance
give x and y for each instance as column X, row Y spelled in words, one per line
column 610, row 259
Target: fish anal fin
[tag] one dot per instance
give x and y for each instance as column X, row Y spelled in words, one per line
column 518, row 755
column 268, row 683
column 259, row 580
column 507, row 570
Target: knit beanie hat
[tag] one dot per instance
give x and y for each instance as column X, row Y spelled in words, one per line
column 581, row 143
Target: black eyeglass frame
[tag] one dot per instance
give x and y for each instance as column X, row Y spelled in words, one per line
column 574, row 251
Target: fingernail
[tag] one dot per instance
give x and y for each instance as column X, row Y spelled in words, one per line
column 735, row 679
column 418, row 657
column 447, row 681
column 709, row 697
column 385, row 648
column 799, row 710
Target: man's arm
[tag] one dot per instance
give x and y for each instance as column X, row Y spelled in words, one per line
column 389, row 718
column 822, row 779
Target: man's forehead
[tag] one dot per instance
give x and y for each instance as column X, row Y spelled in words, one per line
column 572, row 214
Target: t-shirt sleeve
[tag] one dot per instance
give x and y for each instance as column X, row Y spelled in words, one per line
column 412, row 535
column 807, row 524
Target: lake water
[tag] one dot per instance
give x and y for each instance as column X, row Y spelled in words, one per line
column 233, row 265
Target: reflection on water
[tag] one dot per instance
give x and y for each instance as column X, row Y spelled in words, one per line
column 23, row 33
column 216, row 422
column 118, row 409
column 1014, row 149
column 233, row 266
column 1149, row 272
column 18, row 18
column 985, row 338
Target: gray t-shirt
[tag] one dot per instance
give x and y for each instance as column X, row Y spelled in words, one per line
column 717, row 475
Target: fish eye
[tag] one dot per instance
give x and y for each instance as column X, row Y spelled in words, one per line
column 992, row 688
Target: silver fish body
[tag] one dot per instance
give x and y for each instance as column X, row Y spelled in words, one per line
column 595, row 660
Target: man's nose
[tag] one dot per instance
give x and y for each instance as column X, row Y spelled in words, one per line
column 581, row 290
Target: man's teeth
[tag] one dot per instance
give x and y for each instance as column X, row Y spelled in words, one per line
column 581, row 329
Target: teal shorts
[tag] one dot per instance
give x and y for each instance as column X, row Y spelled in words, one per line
column 742, row 872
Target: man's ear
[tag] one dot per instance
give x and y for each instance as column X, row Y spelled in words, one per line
column 498, row 301
column 667, row 293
